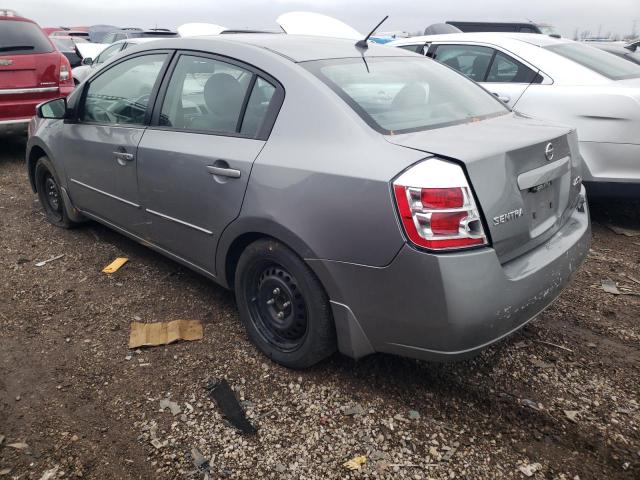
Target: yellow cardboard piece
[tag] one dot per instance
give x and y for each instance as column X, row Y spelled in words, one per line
column 355, row 463
column 162, row 333
column 114, row 266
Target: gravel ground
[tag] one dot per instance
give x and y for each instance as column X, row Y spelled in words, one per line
column 558, row 400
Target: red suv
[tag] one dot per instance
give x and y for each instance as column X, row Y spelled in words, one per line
column 31, row 71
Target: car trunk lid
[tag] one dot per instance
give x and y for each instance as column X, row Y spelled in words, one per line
column 524, row 172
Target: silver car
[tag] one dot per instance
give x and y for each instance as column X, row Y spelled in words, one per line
column 359, row 200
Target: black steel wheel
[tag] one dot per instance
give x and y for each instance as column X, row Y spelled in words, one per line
column 283, row 305
column 50, row 194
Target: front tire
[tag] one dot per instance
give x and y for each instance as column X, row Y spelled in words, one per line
column 50, row 194
column 283, row 306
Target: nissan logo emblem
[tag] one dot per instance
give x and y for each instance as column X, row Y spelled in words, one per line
column 548, row 151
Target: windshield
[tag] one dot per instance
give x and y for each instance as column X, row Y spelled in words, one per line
column 547, row 29
column 604, row 63
column 19, row 38
column 405, row 94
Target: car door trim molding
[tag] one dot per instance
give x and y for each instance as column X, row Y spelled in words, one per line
column 78, row 182
column 181, row 222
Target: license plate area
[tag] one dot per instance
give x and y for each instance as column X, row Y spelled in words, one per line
column 542, row 203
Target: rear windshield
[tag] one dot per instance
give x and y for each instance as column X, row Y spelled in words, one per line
column 604, row 63
column 20, row 38
column 64, row 44
column 406, row 94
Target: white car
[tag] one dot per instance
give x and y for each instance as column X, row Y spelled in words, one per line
column 106, row 52
column 558, row 80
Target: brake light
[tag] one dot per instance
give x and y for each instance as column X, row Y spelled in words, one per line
column 437, row 208
column 64, row 73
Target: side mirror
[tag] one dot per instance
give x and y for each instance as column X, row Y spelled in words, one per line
column 53, row 109
column 87, row 61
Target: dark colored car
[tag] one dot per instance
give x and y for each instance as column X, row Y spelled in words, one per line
column 627, row 52
column 126, row 33
column 67, row 46
column 518, row 27
column 31, row 71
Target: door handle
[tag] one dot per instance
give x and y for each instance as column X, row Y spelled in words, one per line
column 502, row 98
column 223, row 172
column 123, row 158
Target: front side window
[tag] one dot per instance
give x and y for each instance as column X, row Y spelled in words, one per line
column 404, row 94
column 413, row 48
column 120, row 95
column 108, row 53
column 473, row 61
column 604, row 63
column 209, row 95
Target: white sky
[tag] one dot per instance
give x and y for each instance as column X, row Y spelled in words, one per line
column 606, row 16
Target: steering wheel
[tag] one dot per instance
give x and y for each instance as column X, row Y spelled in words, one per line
column 112, row 112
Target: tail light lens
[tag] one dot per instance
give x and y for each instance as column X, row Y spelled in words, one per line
column 65, row 71
column 437, row 208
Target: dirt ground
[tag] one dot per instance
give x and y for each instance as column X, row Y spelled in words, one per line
column 558, row 400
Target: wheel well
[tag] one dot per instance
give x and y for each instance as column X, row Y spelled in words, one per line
column 35, row 153
column 235, row 250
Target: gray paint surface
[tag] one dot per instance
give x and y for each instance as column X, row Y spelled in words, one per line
column 321, row 184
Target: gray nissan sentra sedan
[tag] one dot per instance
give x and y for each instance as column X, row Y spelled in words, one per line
column 355, row 200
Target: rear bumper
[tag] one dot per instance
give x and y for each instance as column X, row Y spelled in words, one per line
column 449, row 306
column 10, row 127
column 611, row 162
column 19, row 105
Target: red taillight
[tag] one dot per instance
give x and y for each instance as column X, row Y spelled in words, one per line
column 65, row 71
column 437, row 208
column 442, row 197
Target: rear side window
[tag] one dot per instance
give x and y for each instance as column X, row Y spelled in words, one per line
column 471, row 60
column 208, row 95
column 120, row 95
column 22, row 38
column 604, row 63
column 505, row 69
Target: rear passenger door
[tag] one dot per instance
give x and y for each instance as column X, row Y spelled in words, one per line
column 212, row 118
column 500, row 73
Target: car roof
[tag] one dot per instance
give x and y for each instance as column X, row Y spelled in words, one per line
column 489, row 37
column 297, row 48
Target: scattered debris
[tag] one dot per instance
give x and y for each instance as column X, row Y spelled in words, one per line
column 354, row 410
column 434, row 453
column 355, row 463
column 450, row 453
column 164, row 333
column 530, row 403
column 199, row 461
column 158, row 444
column 220, row 391
column 5, row 471
column 572, row 415
column 414, row 415
column 172, row 406
column 554, row 345
column 114, row 266
column 2, row 437
column 52, row 259
column 610, row 286
column 18, row 445
column 49, row 474
column 529, row 470
column 627, row 232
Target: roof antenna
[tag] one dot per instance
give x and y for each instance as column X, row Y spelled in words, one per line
column 362, row 44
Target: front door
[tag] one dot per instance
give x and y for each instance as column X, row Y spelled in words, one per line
column 194, row 164
column 100, row 156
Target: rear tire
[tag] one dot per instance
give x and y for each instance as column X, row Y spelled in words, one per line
column 283, row 306
column 50, row 194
